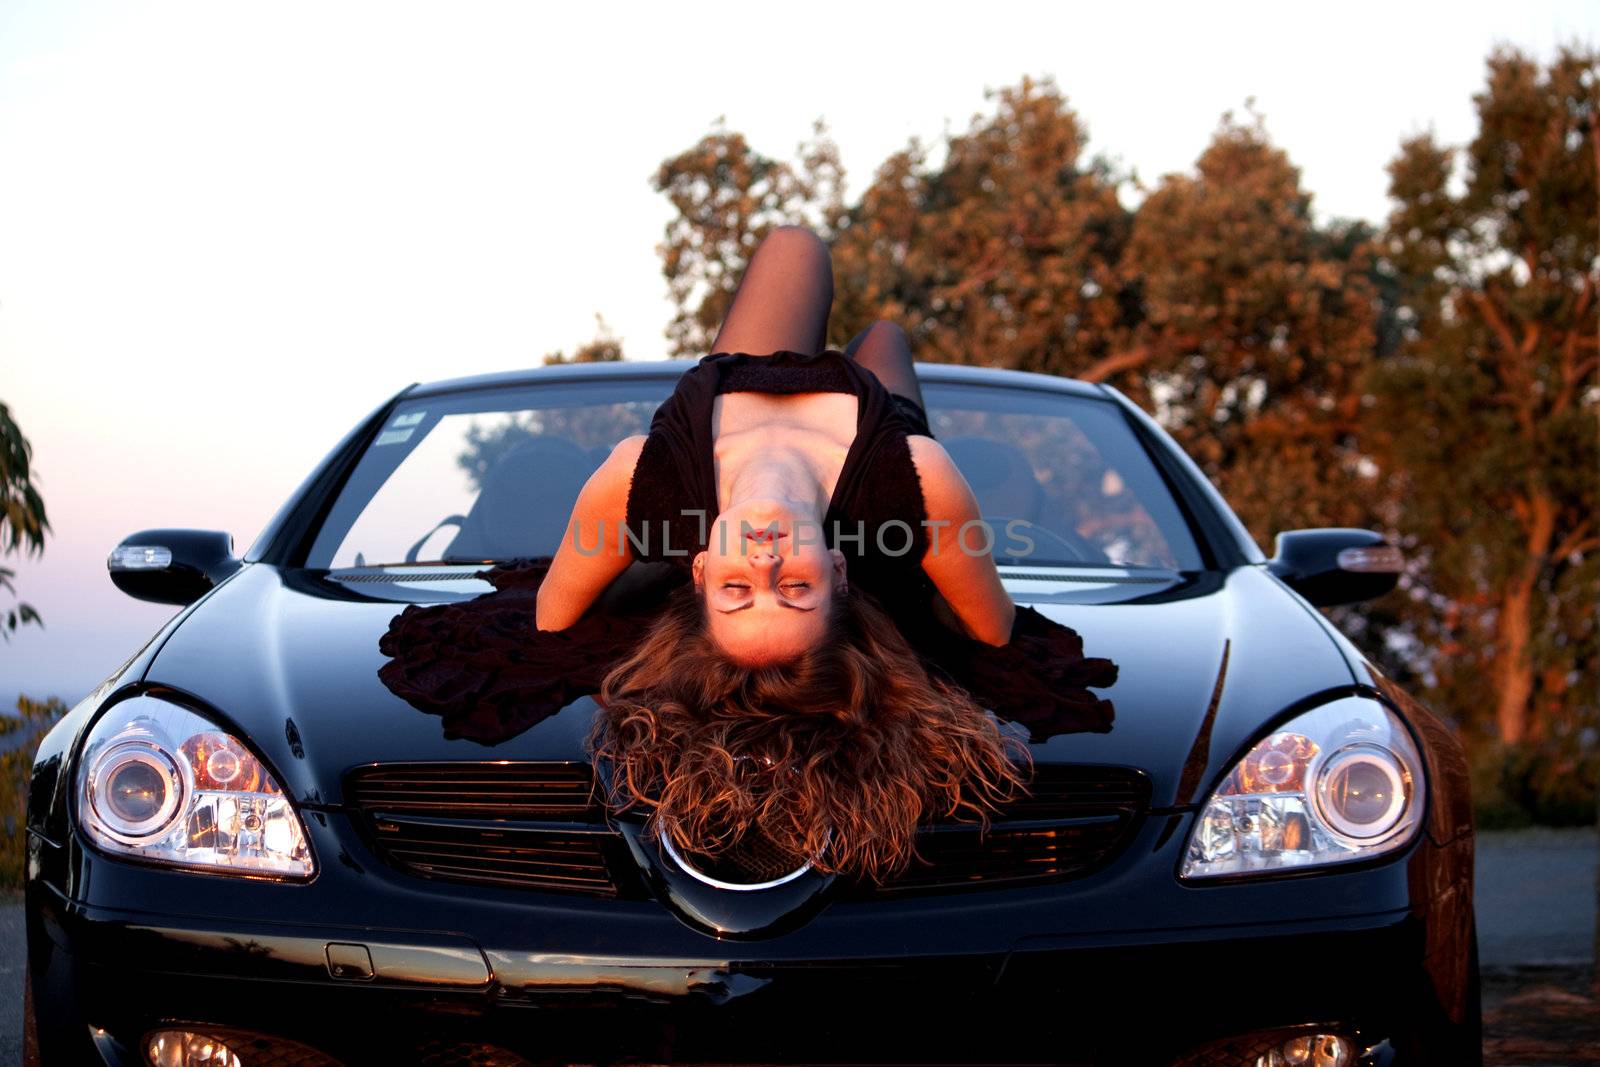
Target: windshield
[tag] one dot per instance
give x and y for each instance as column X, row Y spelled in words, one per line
column 492, row 474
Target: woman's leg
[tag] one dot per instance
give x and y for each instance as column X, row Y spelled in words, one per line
column 783, row 300
column 884, row 350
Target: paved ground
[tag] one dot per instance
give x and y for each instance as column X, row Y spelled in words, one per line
column 1536, row 915
column 1536, row 929
column 11, row 942
column 1536, row 897
column 1540, row 1017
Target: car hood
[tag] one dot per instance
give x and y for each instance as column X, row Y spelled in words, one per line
column 290, row 659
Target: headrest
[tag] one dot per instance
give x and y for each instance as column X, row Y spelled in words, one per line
column 526, row 500
column 1000, row 475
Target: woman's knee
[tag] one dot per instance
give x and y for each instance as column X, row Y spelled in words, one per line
column 881, row 337
column 885, row 332
column 795, row 245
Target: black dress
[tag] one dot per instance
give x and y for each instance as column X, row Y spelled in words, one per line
column 875, row 516
column 490, row 673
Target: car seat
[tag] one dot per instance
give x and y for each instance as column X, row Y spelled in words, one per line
column 1000, row 475
column 525, row 502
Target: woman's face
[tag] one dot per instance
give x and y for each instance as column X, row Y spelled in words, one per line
column 769, row 583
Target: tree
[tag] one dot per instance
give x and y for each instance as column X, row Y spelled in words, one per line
column 1486, row 417
column 727, row 197
column 1004, row 255
column 1254, row 330
column 606, row 347
column 22, row 517
column 22, row 524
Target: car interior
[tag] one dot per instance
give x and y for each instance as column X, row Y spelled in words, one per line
column 507, row 521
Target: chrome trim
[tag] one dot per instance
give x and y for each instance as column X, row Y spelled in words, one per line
column 716, row 883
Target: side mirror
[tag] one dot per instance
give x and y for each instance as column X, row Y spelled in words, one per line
column 1336, row 566
column 171, row 566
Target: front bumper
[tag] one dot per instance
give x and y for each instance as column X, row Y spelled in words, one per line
column 430, row 996
column 1126, row 966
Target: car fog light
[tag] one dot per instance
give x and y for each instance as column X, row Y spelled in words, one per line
column 1310, row 1050
column 185, row 1048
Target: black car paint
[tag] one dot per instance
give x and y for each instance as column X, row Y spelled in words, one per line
column 287, row 658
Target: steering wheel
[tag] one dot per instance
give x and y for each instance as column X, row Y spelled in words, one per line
column 1073, row 548
column 449, row 520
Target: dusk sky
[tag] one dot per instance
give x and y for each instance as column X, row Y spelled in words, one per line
column 226, row 233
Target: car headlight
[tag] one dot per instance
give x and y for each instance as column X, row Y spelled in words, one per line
column 162, row 783
column 1342, row 782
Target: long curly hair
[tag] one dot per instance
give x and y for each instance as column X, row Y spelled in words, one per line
column 836, row 756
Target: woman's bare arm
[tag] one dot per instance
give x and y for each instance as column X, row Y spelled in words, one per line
column 965, row 576
column 576, row 578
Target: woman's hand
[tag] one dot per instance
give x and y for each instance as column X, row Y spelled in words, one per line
column 961, row 566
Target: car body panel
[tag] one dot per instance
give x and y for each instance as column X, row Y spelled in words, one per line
column 301, row 657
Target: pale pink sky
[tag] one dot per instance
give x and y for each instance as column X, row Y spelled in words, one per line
column 226, row 233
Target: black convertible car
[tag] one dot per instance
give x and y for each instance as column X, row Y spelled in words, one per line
column 245, row 850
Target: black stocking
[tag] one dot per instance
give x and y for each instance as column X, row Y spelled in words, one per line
column 783, row 300
column 883, row 349
column 782, row 304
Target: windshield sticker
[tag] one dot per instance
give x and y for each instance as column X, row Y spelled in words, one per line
column 393, row 437
column 407, row 420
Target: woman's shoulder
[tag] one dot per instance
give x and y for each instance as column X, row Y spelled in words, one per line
column 624, row 458
column 936, row 471
column 946, row 494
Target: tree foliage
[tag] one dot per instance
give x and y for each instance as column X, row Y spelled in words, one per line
column 1255, row 325
column 20, row 735
column 1005, row 254
column 726, row 197
column 1485, row 422
column 23, row 523
column 606, row 347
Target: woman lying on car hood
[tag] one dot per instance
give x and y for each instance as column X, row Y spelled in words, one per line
column 798, row 494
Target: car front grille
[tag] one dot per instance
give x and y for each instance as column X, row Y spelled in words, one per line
column 1074, row 820
column 541, row 825
column 525, row 825
column 478, row 790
